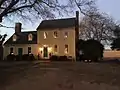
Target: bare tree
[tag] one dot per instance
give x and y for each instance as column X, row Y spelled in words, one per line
column 40, row 8
column 98, row 26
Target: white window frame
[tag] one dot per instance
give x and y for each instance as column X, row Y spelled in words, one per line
column 14, row 37
column 65, row 36
column 66, row 51
column 55, row 35
column 45, row 34
column 30, row 37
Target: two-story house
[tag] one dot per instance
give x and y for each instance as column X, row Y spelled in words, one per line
column 53, row 37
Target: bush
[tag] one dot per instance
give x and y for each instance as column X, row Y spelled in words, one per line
column 18, row 57
column 31, row 57
column 11, row 57
column 63, row 58
column 25, row 57
column 92, row 50
column 54, row 58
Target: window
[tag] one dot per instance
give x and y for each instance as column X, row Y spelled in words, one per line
column 45, row 35
column 14, row 37
column 66, row 48
column 30, row 37
column 55, row 48
column 66, row 34
column 55, row 34
column 11, row 50
column 29, row 50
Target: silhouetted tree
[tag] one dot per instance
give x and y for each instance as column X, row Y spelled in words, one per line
column 39, row 8
column 2, row 39
column 115, row 45
column 92, row 50
column 97, row 26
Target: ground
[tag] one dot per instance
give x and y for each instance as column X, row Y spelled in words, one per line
column 59, row 76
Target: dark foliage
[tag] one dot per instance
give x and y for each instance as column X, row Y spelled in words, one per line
column 91, row 49
column 60, row 58
column 11, row 57
column 25, row 57
column 54, row 58
column 31, row 57
column 115, row 44
column 63, row 58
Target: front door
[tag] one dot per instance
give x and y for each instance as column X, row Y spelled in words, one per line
column 45, row 52
column 20, row 51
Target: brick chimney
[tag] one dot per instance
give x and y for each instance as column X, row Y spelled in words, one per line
column 77, row 24
column 18, row 27
column 77, row 33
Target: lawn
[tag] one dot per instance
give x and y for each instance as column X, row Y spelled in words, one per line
column 63, row 76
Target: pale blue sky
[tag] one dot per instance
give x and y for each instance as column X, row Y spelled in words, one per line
column 111, row 7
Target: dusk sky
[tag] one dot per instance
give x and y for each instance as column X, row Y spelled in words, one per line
column 111, row 7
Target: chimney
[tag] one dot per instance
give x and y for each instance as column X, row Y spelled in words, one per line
column 77, row 33
column 18, row 27
column 77, row 25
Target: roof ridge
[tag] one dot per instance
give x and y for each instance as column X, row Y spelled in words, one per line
column 58, row 19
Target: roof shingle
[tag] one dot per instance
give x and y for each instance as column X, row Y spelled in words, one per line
column 57, row 23
column 22, row 38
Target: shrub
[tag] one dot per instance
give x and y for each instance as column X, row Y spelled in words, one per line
column 63, row 58
column 11, row 57
column 18, row 57
column 54, row 58
column 31, row 57
column 25, row 57
column 92, row 50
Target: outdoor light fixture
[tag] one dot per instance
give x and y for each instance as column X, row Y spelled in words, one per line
column 50, row 49
column 41, row 49
column 45, row 45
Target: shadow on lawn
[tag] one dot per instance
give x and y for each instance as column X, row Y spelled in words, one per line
column 110, row 61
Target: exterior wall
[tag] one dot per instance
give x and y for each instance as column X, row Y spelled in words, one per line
column 24, row 46
column 60, row 41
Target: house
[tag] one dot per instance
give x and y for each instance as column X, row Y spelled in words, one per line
column 21, row 42
column 53, row 37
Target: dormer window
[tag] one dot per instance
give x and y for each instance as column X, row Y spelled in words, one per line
column 30, row 37
column 14, row 38
column 55, row 34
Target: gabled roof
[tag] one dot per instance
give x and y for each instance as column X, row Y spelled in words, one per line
column 22, row 38
column 57, row 23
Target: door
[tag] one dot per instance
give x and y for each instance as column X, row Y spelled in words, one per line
column 45, row 52
column 20, row 51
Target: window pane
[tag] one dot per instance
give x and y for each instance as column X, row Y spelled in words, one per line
column 11, row 50
column 55, row 48
column 66, row 48
column 55, row 34
column 30, row 37
column 66, row 34
column 14, row 37
column 45, row 35
column 29, row 50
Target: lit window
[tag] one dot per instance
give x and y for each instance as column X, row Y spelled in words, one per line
column 66, row 34
column 29, row 50
column 11, row 50
column 66, row 48
column 55, row 34
column 14, row 37
column 45, row 35
column 30, row 37
column 55, row 48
